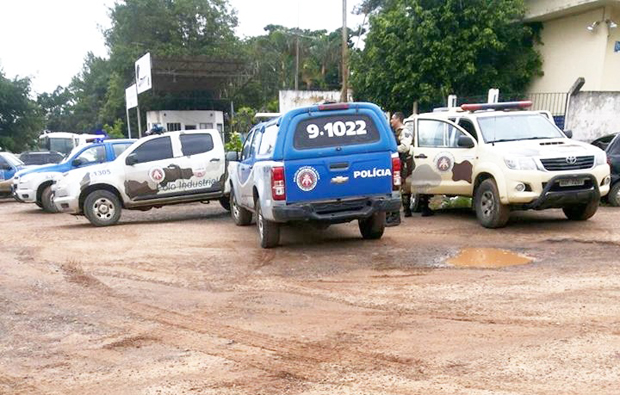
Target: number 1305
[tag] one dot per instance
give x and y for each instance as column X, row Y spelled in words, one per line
column 337, row 129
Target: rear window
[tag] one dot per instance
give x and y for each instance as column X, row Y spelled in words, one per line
column 335, row 131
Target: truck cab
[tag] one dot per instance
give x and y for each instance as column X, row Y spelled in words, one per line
column 506, row 158
column 156, row 171
column 325, row 164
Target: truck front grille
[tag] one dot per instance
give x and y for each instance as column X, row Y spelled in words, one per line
column 560, row 164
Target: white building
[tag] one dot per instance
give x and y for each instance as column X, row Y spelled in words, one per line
column 186, row 120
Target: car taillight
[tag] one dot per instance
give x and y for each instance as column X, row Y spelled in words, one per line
column 396, row 181
column 278, row 190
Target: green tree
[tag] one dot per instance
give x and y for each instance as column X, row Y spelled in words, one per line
column 424, row 50
column 21, row 118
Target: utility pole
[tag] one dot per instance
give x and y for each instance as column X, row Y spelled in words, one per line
column 297, row 63
column 345, row 52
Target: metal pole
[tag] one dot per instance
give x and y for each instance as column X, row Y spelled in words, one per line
column 128, row 123
column 139, row 124
column 345, row 69
column 297, row 64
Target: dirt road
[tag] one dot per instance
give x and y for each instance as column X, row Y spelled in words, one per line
column 180, row 301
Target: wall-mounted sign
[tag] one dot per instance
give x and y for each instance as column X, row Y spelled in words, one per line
column 143, row 73
column 617, row 46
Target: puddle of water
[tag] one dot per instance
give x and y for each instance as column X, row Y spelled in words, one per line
column 487, row 258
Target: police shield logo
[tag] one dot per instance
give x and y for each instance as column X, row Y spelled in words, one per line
column 306, row 178
column 444, row 162
column 156, row 174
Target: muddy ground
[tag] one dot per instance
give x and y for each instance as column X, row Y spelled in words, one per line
column 181, row 301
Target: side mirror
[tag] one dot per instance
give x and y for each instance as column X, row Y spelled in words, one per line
column 569, row 133
column 232, row 156
column 132, row 159
column 77, row 162
column 466, row 142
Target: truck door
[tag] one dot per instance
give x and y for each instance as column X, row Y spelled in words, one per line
column 244, row 170
column 204, row 153
column 146, row 177
column 338, row 154
column 444, row 156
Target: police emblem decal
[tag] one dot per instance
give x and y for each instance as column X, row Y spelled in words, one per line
column 306, row 178
column 156, row 174
column 444, row 162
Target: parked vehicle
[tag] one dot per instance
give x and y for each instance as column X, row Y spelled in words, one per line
column 603, row 142
column 9, row 165
column 507, row 159
column 34, row 185
column 31, row 158
column 613, row 158
column 325, row 164
column 159, row 170
column 64, row 142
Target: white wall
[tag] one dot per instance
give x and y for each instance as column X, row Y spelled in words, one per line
column 594, row 114
column 185, row 118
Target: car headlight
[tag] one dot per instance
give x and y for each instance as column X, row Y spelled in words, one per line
column 601, row 158
column 26, row 179
column 520, row 163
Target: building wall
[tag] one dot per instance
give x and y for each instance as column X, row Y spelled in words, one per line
column 199, row 119
column 610, row 80
column 570, row 51
column 593, row 114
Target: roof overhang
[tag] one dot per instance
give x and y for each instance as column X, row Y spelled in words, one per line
column 544, row 10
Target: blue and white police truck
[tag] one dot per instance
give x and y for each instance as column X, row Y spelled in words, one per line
column 327, row 164
column 34, row 185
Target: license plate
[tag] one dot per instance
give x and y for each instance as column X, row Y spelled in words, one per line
column 572, row 182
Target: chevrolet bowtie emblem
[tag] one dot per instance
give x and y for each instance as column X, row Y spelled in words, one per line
column 340, row 180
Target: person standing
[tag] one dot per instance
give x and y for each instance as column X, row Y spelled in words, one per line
column 404, row 140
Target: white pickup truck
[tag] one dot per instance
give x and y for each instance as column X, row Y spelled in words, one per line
column 159, row 170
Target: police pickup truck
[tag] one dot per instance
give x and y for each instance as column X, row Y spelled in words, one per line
column 34, row 184
column 159, row 170
column 326, row 164
column 506, row 158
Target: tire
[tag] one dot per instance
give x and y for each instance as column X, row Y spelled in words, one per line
column 372, row 228
column 47, row 200
column 269, row 232
column 39, row 204
column 241, row 216
column 581, row 212
column 490, row 211
column 225, row 203
column 614, row 195
column 102, row 208
column 416, row 206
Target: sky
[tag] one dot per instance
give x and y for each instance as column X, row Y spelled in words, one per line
column 47, row 40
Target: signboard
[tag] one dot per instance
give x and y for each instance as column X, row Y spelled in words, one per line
column 131, row 97
column 144, row 81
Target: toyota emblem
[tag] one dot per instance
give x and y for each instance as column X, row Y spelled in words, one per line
column 571, row 160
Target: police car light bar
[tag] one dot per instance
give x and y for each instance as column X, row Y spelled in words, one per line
column 333, row 107
column 497, row 106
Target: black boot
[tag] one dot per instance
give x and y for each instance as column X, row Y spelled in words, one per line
column 425, row 210
column 407, row 204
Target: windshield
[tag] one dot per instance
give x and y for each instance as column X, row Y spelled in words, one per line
column 517, row 127
column 72, row 154
column 13, row 160
column 57, row 144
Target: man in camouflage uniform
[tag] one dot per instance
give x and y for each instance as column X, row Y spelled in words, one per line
column 404, row 139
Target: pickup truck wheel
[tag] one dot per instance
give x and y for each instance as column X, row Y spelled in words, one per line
column 372, row 228
column 581, row 212
column 490, row 211
column 614, row 195
column 241, row 216
column 225, row 203
column 102, row 208
column 268, row 231
column 47, row 200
